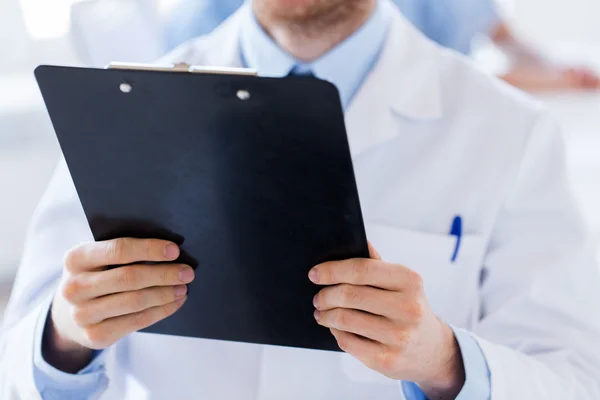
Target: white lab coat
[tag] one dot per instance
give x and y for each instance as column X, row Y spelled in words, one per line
column 431, row 138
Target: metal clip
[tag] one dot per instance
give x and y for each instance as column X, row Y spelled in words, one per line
column 182, row 67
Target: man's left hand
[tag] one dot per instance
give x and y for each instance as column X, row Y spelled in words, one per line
column 378, row 313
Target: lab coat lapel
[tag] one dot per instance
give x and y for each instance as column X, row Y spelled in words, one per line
column 400, row 86
column 221, row 48
column 224, row 46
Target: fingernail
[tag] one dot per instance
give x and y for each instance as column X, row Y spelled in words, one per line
column 186, row 274
column 317, row 315
column 181, row 301
column 316, row 301
column 171, row 251
column 313, row 275
column 180, row 291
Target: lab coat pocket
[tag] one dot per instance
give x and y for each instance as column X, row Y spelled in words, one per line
column 451, row 287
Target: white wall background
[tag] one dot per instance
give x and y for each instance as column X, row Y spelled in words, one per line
column 557, row 20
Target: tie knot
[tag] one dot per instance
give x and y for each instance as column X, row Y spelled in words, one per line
column 301, row 71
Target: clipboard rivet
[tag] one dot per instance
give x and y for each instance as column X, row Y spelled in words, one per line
column 126, row 88
column 243, row 94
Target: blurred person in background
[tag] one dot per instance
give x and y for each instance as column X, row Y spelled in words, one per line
column 450, row 23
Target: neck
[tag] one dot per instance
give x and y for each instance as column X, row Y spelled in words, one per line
column 307, row 39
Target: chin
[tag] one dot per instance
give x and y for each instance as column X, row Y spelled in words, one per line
column 290, row 4
column 295, row 9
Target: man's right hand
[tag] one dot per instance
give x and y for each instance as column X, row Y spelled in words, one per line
column 96, row 306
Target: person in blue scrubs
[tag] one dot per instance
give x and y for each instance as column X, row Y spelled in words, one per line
column 453, row 24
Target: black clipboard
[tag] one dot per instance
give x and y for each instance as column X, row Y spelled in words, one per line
column 251, row 176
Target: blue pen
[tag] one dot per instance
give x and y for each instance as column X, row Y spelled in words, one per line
column 456, row 230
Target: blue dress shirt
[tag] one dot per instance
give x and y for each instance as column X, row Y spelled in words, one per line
column 450, row 23
column 357, row 54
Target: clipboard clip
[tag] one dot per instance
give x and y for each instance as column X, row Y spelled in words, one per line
column 182, row 67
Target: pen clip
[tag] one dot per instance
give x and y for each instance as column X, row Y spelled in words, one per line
column 456, row 230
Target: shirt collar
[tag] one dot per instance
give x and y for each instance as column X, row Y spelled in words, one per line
column 358, row 53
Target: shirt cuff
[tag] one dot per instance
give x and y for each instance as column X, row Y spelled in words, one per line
column 55, row 384
column 477, row 374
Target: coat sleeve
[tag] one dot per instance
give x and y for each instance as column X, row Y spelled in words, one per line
column 58, row 224
column 540, row 326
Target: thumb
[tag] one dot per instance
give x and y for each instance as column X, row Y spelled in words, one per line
column 374, row 254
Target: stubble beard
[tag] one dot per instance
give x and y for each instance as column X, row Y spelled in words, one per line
column 309, row 18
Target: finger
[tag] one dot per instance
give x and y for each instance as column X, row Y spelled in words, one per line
column 364, row 298
column 373, row 253
column 100, row 309
column 364, row 350
column 121, row 251
column 111, row 330
column 360, row 271
column 584, row 79
column 89, row 285
column 591, row 81
column 370, row 326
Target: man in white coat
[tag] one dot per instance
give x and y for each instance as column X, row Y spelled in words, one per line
column 481, row 283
